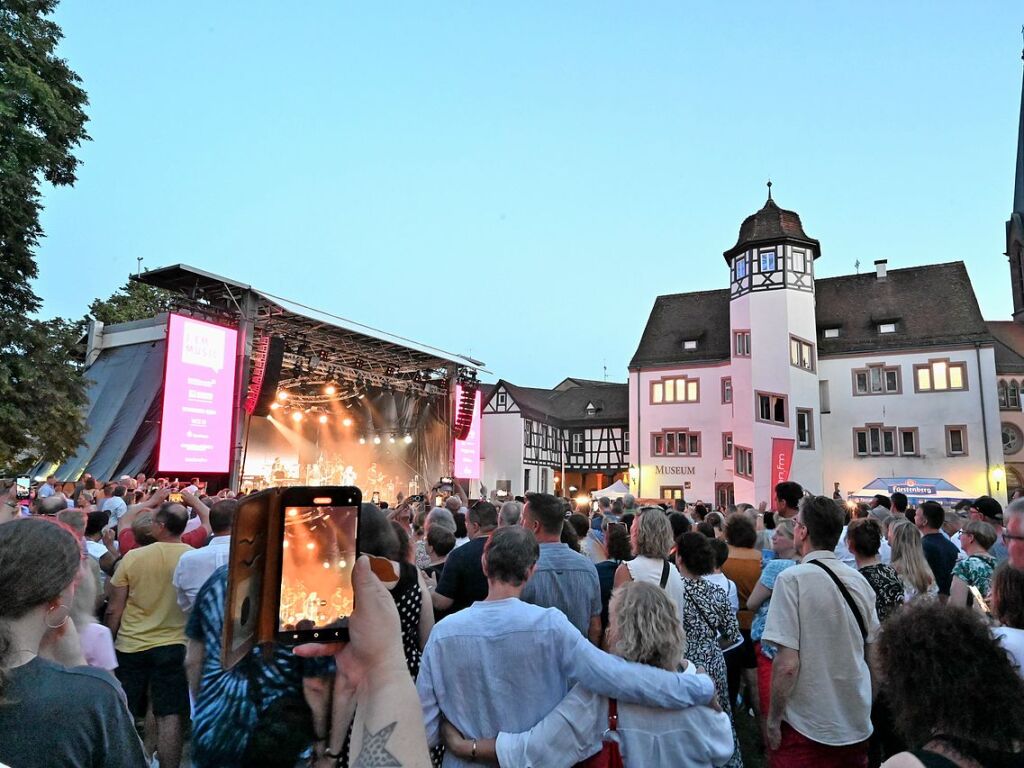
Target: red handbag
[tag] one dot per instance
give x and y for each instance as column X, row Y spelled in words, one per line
column 609, row 756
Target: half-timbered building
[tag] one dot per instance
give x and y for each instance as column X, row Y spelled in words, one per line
column 531, row 437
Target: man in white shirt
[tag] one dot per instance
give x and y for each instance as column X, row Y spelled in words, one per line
column 114, row 503
column 821, row 681
column 195, row 567
column 46, row 489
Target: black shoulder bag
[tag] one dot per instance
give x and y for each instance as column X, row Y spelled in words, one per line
column 664, row 574
column 847, row 596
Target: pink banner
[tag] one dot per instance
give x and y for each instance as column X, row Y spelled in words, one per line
column 199, row 389
column 467, row 452
column 782, row 458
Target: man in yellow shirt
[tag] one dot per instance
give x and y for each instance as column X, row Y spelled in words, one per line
column 149, row 631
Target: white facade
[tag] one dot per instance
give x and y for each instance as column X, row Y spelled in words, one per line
column 925, row 407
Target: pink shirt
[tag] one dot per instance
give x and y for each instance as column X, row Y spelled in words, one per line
column 98, row 646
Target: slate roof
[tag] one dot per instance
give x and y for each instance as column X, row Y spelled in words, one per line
column 771, row 224
column 932, row 305
column 1009, row 338
column 568, row 407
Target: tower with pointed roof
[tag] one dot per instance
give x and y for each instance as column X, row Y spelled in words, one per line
column 774, row 379
column 1015, row 226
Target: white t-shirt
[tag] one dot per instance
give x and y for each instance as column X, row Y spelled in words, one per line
column 96, row 549
column 116, row 507
column 1013, row 641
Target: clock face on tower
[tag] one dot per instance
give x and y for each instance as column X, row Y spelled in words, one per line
column 1013, row 439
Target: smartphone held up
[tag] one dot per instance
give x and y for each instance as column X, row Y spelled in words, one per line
column 290, row 568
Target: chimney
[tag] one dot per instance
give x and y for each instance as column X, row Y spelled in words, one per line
column 880, row 268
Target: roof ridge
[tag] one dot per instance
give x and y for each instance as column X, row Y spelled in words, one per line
column 954, row 263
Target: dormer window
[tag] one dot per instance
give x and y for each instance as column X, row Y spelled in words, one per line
column 831, row 333
column 689, row 345
column 591, row 409
column 740, row 267
column 887, row 327
column 767, row 261
column 799, row 260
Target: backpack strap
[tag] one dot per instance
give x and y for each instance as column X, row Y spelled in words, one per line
column 664, row 574
column 846, row 596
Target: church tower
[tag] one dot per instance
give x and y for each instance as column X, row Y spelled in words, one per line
column 774, row 351
column 1015, row 226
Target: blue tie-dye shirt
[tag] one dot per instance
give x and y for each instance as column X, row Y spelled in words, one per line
column 225, row 712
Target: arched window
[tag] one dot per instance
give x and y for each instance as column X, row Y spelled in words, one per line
column 1013, row 395
column 1003, row 394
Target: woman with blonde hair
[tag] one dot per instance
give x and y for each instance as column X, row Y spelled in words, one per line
column 643, row 629
column 909, row 562
column 651, row 538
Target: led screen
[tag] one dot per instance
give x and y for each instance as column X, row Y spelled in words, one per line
column 467, row 452
column 199, row 389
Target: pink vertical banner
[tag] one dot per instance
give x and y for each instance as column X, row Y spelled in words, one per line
column 467, row 452
column 199, row 392
column 782, row 458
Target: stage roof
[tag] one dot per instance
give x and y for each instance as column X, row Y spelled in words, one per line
column 334, row 342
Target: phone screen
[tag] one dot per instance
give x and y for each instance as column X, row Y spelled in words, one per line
column 376, row 497
column 175, row 498
column 317, row 557
column 24, row 488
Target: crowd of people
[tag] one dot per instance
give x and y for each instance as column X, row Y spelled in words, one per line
column 537, row 632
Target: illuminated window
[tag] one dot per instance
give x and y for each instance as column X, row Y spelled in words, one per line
column 801, row 353
column 831, row 333
column 887, row 327
column 675, row 390
column 940, row 376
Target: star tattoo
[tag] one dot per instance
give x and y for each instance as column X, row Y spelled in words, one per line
column 374, row 753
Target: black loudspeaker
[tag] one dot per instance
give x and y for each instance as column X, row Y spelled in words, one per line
column 266, row 373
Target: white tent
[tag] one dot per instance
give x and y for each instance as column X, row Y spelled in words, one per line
column 616, row 490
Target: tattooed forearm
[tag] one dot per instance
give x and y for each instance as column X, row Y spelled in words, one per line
column 374, row 752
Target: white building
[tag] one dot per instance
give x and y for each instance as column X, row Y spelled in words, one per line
column 531, row 436
column 883, row 380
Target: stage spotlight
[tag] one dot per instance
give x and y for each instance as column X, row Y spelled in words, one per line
column 323, row 418
column 362, row 441
column 297, row 416
column 282, row 395
column 376, row 439
column 407, row 439
column 346, row 422
column 330, row 389
column 391, row 439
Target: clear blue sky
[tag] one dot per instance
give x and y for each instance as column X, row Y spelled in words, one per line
column 541, row 170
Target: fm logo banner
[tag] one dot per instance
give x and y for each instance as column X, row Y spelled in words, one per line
column 782, row 458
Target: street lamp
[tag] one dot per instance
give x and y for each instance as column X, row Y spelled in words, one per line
column 998, row 474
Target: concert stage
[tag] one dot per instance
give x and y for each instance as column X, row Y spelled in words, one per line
column 257, row 390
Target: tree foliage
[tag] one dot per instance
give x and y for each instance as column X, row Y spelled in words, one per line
column 132, row 301
column 42, row 121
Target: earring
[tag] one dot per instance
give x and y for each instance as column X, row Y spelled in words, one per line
column 62, row 622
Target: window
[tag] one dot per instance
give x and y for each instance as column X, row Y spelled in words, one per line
column 799, row 260
column 831, row 333
column 675, row 390
column 956, row 440
column 940, row 376
column 672, row 492
column 502, row 399
column 726, row 390
column 887, row 327
column 625, row 443
column 771, row 408
column 675, row 442
column 767, row 261
column 877, row 380
column 727, row 445
column 743, row 462
column 874, row 440
column 528, row 432
column 690, row 345
column 824, row 396
column 577, row 442
column 804, row 428
column 741, row 343
column 1009, row 395
column 908, row 441
column 801, row 353
column 740, row 267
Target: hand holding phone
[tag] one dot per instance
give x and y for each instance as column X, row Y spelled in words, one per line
column 24, row 489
